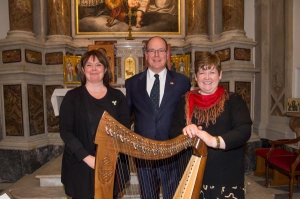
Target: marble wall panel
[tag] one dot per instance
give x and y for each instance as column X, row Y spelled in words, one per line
column 11, row 56
column 242, row 54
column 11, row 165
column 249, row 155
column 224, row 54
column 141, row 68
column 52, row 120
column 198, row 55
column 54, row 58
column 36, row 109
column 119, row 69
column 33, row 57
column 17, row 163
column 225, row 85
column 13, row 110
column 244, row 90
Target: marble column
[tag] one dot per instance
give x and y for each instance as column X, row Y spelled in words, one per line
column 233, row 18
column 59, row 17
column 196, row 14
column 215, row 19
column 20, row 19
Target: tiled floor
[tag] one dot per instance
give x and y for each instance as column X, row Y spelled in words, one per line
column 278, row 192
column 255, row 189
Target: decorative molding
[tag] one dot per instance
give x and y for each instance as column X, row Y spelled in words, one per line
column 122, row 52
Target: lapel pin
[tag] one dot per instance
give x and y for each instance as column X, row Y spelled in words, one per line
column 172, row 83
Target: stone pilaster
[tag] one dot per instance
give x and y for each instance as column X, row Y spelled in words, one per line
column 215, row 19
column 196, row 14
column 59, row 18
column 20, row 19
column 233, row 18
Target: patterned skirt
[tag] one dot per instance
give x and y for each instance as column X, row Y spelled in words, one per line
column 220, row 192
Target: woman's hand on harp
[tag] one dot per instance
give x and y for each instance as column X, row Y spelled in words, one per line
column 196, row 131
column 192, row 130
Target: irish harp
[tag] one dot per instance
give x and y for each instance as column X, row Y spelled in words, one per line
column 114, row 138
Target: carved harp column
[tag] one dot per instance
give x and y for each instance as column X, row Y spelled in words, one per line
column 196, row 14
column 233, row 18
column 59, row 16
column 113, row 138
column 20, row 19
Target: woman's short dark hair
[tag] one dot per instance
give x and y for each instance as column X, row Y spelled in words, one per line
column 207, row 60
column 102, row 59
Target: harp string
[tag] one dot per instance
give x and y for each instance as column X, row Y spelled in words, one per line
column 114, row 138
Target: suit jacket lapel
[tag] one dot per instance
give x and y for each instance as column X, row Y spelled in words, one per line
column 142, row 90
column 169, row 87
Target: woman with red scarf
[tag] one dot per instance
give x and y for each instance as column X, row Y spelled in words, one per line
column 222, row 120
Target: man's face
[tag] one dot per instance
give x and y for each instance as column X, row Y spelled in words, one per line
column 156, row 54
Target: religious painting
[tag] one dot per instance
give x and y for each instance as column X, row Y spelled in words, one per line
column 293, row 105
column 109, row 51
column 71, row 68
column 115, row 18
column 181, row 64
column 130, row 67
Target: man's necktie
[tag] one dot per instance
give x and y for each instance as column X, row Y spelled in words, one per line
column 154, row 94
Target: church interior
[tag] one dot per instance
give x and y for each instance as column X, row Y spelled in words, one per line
column 255, row 39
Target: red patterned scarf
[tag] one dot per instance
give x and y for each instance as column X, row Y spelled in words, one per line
column 205, row 108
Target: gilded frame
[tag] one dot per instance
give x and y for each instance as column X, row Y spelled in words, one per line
column 84, row 25
column 71, row 68
column 181, row 64
column 293, row 105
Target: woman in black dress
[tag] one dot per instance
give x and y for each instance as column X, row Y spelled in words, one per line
column 222, row 120
column 80, row 113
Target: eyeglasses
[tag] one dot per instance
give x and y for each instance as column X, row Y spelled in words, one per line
column 152, row 51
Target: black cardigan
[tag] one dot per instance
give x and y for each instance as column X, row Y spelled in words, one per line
column 77, row 176
column 223, row 167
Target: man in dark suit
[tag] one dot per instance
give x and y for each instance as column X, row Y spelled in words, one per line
column 153, row 121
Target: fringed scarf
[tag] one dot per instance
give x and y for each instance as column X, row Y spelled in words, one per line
column 205, row 108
